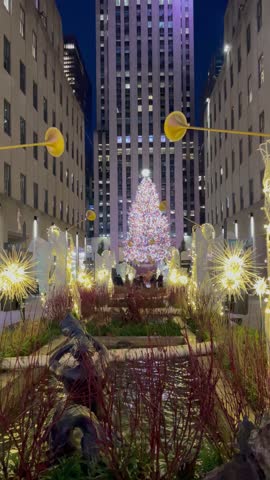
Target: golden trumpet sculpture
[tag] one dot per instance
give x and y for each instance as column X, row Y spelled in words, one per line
column 176, row 126
column 54, row 142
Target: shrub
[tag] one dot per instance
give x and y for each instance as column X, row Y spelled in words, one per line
column 58, row 304
column 91, row 300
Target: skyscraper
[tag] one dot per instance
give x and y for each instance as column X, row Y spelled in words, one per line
column 145, row 70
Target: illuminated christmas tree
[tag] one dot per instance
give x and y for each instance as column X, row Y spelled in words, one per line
column 148, row 239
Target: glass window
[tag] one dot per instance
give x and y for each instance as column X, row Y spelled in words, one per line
column 251, row 192
column 7, row 118
column 22, row 77
column 61, row 210
column 35, row 195
column 61, row 93
column 241, row 151
column 45, row 64
column 250, row 93
column 250, row 142
column 45, row 110
column 34, row 45
column 22, row 131
column 54, row 166
column 239, row 59
column 45, row 158
column 7, row 4
column 261, row 125
column 35, row 149
column 53, row 80
column 261, row 70
column 22, row 22
column 259, row 15
column 7, row 55
column 240, row 105
column 23, row 188
column 54, row 206
column 46, row 203
column 35, row 95
column 7, row 179
column 248, row 38
column 61, row 171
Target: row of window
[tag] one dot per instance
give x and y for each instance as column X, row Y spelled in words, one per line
column 7, row 130
column 36, row 202
column 22, row 71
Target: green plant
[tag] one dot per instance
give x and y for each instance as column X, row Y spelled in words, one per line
column 74, row 468
column 117, row 329
column 208, row 459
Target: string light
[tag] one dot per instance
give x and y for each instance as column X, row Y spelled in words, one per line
column 148, row 240
column 17, row 275
column 233, row 269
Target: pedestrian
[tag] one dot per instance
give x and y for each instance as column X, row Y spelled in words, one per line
column 160, row 281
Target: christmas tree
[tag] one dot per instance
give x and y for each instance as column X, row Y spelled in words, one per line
column 148, row 239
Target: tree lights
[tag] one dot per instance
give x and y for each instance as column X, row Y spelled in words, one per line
column 148, row 239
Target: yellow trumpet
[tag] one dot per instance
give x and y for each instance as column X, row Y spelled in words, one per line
column 176, row 126
column 54, row 142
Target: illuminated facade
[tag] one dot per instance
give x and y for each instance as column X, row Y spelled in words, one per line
column 145, row 69
column 234, row 169
column 34, row 96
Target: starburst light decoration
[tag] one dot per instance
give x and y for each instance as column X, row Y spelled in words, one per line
column 85, row 279
column 17, row 277
column 261, row 287
column 233, row 269
column 148, row 239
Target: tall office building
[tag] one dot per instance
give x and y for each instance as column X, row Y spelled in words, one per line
column 76, row 73
column 35, row 95
column 145, row 70
column 234, row 168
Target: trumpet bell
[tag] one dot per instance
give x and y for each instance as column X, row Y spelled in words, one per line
column 175, row 126
column 56, row 142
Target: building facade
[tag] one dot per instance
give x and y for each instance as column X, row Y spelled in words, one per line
column 145, row 70
column 34, row 96
column 76, row 73
column 233, row 165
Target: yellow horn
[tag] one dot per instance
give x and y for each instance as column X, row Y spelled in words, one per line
column 175, row 126
column 54, row 142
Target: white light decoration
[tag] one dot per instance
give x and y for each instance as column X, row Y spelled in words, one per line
column 236, row 229
column 145, row 173
column 227, row 48
column 252, row 227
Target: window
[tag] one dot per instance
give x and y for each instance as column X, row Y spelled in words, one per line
column 22, row 131
column 67, row 107
column 241, row 151
column 250, row 142
column 7, row 55
column 35, row 195
column 45, row 158
column 35, row 96
column 241, row 198
column 225, row 89
column 232, row 118
column 67, row 142
column 226, row 167
column 233, row 203
column 34, row 45
column 35, row 149
column 248, row 38
column 23, row 188
column 251, row 193
column 54, row 206
column 231, row 75
column 45, row 64
column 261, row 125
column 61, row 210
column 61, row 93
column 261, row 70
column 259, row 15
column 22, row 77
column 7, row 179
column 240, row 105
column 67, row 177
column 7, row 4
column 22, row 22
column 7, row 119
column 53, row 80
column 61, row 171
column 53, row 118
column 250, row 94
column 54, row 166
column 45, row 110
column 239, row 59
column 46, row 203
column 233, row 161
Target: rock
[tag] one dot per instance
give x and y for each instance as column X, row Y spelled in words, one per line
column 260, row 446
column 237, row 469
